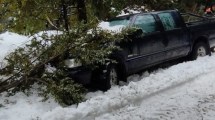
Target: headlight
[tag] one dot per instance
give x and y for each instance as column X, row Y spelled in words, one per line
column 72, row 63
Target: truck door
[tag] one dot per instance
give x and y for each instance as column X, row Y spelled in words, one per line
column 176, row 36
column 150, row 45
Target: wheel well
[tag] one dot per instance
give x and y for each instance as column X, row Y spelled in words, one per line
column 201, row 39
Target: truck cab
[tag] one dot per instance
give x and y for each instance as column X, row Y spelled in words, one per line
column 164, row 37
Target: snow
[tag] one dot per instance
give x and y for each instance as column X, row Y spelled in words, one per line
column 147, row 97
column 9, row 41
column 181, row 92
column 23, row 107
column 130, row 11
column 47, row 33
column 189, row 100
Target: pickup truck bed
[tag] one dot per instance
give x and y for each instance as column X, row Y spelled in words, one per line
column 202, row 26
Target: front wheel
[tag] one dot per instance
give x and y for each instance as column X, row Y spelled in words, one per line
column 112, row 77
column 200, row 49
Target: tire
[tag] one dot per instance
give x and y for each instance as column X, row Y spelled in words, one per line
column 112, row 77
column 213, row 49
column 200, row 49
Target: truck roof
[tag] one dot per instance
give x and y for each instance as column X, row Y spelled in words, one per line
column 153, row 12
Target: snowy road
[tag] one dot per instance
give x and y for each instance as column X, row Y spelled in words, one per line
column 181, row 92
column 191, row 100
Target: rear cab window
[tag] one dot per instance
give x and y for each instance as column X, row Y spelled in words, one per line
column 168, row 21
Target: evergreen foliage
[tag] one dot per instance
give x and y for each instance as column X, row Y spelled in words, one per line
column 62, row 88
column 28, row 64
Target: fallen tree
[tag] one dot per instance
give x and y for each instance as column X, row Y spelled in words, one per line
column 29, row 64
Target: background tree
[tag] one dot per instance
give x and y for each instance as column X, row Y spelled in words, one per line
column 35, row 15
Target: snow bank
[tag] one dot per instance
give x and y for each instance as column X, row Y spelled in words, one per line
column 23, row 107
column 10, row 41
column 119, row 97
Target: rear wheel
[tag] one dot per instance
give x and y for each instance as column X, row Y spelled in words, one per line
column 213, row 49
column 200, row 49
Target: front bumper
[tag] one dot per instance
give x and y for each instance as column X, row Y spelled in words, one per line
column 80, row 74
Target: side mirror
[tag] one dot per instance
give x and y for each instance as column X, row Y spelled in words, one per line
column 138, row 32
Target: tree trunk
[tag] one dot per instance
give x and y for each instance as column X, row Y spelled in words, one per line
column 82, row 12
column 65, row 17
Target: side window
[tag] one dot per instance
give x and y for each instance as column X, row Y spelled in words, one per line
column 167, row 21
column 146, row 22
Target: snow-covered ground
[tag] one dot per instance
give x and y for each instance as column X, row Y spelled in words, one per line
column 24, row 107
column 181, row 92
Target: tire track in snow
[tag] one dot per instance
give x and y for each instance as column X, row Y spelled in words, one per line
column 198, row 104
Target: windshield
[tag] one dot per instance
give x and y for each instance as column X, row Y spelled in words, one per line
column 115, row 25
column 117, row 22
